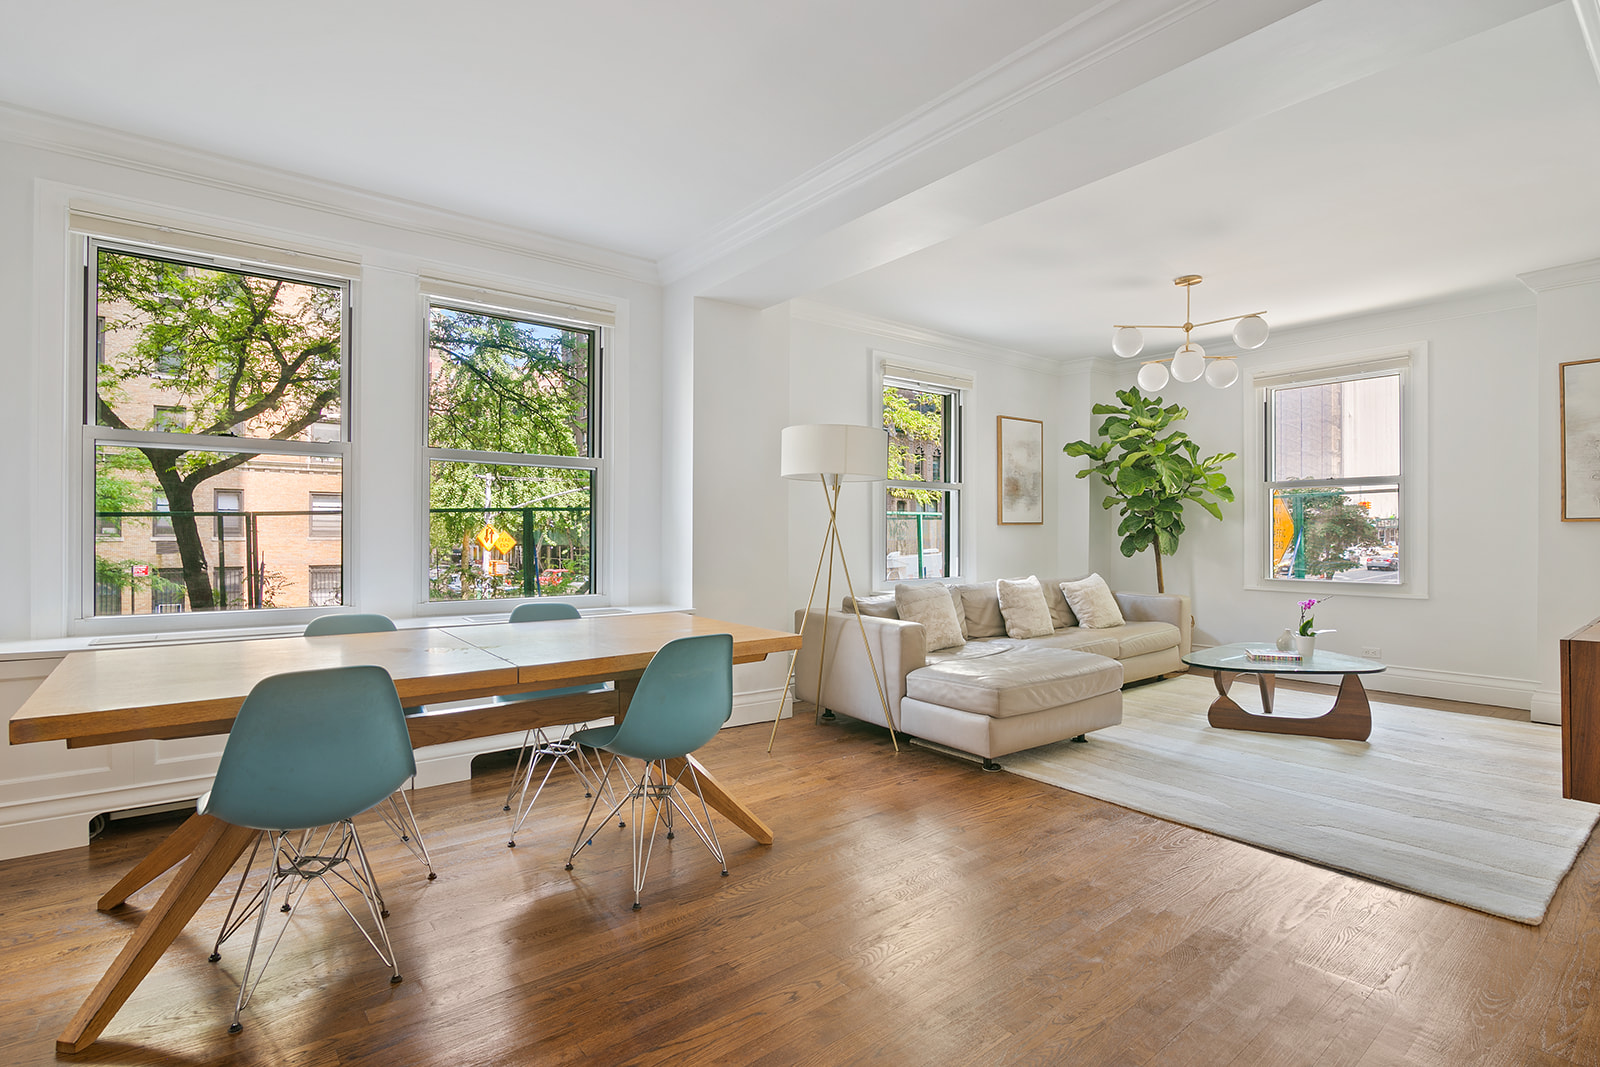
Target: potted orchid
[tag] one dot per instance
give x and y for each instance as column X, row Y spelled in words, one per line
column 1306, row 636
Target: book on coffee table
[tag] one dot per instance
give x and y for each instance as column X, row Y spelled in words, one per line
column 1271, row 655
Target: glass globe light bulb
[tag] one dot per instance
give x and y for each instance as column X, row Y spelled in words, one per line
column 1250, row 332
column 1189, row 362
column 1221, row 373
column 1127, row 341
column 1152, row 376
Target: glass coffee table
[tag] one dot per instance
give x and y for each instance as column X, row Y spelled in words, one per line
column 1350, row 718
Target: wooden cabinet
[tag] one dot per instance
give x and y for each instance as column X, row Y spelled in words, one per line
column 1580, row 714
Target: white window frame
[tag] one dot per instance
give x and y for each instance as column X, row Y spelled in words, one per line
column 955, row 385
column 89, row 351
column 478, row 301
column 1411, row 362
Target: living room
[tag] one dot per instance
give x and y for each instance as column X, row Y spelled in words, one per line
column 988, row 224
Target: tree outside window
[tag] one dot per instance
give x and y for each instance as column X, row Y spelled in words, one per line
column 241, row 363
column 923, row 494
column 513, row 456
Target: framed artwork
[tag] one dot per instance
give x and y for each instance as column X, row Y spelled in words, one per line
column 1580, row 441
column 1020, row 448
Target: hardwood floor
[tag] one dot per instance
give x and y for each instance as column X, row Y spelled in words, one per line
column 913, row 910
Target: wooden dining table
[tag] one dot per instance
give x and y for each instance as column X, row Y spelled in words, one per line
column 166, row 691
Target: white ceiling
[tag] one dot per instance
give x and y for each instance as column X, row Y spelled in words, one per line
column 1020, row 172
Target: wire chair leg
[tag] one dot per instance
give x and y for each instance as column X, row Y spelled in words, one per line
column 584, row 838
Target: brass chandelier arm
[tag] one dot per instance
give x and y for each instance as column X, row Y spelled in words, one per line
column 1182, row 326
column 1230, row 318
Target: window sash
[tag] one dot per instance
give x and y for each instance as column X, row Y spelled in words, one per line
column 1396, row 367
column 93, row 436
column 949, row 487
column 441, row 296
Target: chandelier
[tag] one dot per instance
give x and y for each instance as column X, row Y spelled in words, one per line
column 1190, row 361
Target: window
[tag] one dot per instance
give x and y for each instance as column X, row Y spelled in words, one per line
column 327, row 586
column 327, row 517
column 230, row 527
column 513, row 454
column 161, row 526
column 228, row 584
column 107, row 598
column 249, row 366
column 167, row 590
column 922, row 502
column 1334, row 475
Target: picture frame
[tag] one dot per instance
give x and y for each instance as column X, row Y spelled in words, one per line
column 1580, row 441
column 1019, row 480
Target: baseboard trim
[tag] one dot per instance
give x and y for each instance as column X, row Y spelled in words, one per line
column 1489, row 689
column 759, row 705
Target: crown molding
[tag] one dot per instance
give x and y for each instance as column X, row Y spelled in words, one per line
column 1562, row 277
column 904, row 333
column 1099, row 34
column 116, row 148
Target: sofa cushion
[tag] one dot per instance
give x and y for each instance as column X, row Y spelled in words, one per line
column 1060, row 611
column 1023, row 607
column 1139, row 638
column 1018, row 681
column 1100, row 642
column 982, row 603
column 1092, row 602
column 930, row 604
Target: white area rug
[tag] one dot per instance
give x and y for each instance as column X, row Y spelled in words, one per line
column 1460, row 807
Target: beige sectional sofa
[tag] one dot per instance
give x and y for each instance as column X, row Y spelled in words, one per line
column 993, row 694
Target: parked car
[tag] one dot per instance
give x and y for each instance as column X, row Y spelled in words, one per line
column 1382, row 563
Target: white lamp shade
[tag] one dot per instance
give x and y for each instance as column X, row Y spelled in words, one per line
column 1127, row 341
column 854, row 453
column 1221, row 373
column 1250, row 332
column 1152, row 376
column 1189, row 362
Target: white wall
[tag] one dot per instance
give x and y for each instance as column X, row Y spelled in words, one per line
column 48, row 166
column 1472, row 636
column 741, row 532
column 833, row 377
column 1568, row 553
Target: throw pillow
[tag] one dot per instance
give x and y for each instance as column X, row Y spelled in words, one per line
column 930, row 604
column 1026, row 612
column 1092, row 602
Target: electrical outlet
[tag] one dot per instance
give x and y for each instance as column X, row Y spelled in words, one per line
column 1372, row 653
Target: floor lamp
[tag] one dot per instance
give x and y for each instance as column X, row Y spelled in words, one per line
column 833, row 454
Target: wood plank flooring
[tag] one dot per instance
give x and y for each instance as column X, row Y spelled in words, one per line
column 914, row 910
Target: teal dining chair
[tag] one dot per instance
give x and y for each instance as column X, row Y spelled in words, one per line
column 286, row 770
column 683, row 698
column 553, row 747
column 397, row 814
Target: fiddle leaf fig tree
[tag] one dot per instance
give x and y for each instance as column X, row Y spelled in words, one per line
column 1152, row 470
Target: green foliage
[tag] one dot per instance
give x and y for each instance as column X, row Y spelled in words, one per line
column 503, row 385
column 912, row 417
column 1332, row 525
column 1152, row 471
column 244, row 356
